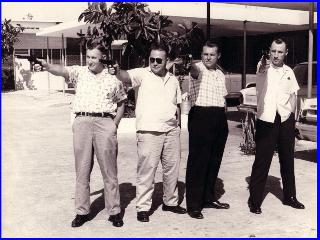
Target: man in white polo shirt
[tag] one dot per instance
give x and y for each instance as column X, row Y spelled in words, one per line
column 276, row 94
column 158, row 130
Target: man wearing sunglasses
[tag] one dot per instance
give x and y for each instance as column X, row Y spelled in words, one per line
column 158, row 130
column 208, row 132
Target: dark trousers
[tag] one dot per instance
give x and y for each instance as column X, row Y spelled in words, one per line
column 208, row 132
column 268, row 136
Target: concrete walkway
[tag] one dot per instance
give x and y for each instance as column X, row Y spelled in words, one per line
column 38, row 180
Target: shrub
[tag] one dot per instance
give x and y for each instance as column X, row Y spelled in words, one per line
column 248, row 146
column 7, row 76
column 129, row 111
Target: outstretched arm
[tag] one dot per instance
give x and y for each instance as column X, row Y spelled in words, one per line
column 263, row 65
column 194, row 71
column 122, row 75
column 55, row 69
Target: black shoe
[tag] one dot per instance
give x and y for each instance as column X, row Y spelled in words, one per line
column 195, row 214
column 175, row 209
column 253, row 208
column 256, row 210
column 79, row 220
column 293, row 202
column 216, row 204
column 143, row 216
column 116, row 220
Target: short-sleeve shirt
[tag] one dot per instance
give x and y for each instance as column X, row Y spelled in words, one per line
column 275, row 88
column 157, row 100
column 209, row 89
column 95, row 92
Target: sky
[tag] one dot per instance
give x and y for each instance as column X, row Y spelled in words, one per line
column 43, row 11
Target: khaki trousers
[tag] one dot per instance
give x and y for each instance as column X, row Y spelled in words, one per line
column 153, row 147
column 98, row 135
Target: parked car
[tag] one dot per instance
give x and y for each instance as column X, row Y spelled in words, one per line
column 233, row 84
column 301, row 72
column 249, row 97
column 306, row 125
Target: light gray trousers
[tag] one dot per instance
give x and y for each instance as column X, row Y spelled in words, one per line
column 153, row 147
column 99, row 135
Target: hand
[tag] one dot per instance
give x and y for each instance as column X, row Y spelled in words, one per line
column 178, row 61
column 38, row 67
column 113, row 69
column 265, row 63
column 184, row 96
column 188, row 66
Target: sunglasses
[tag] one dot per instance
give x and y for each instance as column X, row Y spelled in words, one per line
column 158, row 60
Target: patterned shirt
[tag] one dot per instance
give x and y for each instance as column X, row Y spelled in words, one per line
column 209, row 89
column 157, row 100
column 95, row 92
column 275, row 88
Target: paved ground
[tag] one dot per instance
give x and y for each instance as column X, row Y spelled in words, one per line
column 38, row 181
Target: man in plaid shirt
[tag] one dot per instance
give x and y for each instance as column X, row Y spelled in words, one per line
column 208, row 132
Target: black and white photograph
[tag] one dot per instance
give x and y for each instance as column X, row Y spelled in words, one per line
column 159, row 120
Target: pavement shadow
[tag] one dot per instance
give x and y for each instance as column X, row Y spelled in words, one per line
column 127, row 194
column 307, row 155
column 158, row 193
column 219, row 188
column 97, row 205
column 273, row 186
column 69, row 91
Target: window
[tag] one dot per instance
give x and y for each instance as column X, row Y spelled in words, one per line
column 21, row 51
column 37, row 53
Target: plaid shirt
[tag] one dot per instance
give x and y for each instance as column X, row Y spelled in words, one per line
column 95, row 92
column 209, row 89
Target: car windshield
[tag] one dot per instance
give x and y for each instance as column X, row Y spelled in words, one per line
column 301, row 72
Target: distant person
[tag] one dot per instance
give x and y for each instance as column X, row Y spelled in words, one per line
column 98, row 105
column 208, row 132
column 277, row 95
column 158, row 130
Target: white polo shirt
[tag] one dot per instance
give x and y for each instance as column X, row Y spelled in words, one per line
column 157, row 99
column 275, row 88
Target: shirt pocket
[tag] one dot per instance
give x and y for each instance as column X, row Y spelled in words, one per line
column 287, row 85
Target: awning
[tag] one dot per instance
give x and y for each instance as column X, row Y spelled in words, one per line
column 68, row 29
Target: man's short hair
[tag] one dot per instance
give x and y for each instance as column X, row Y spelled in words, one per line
column 160, row 47
column 211, row 44
column 96, row 45
column 280, row 41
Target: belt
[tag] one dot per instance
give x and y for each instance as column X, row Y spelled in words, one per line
column 93, row 114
